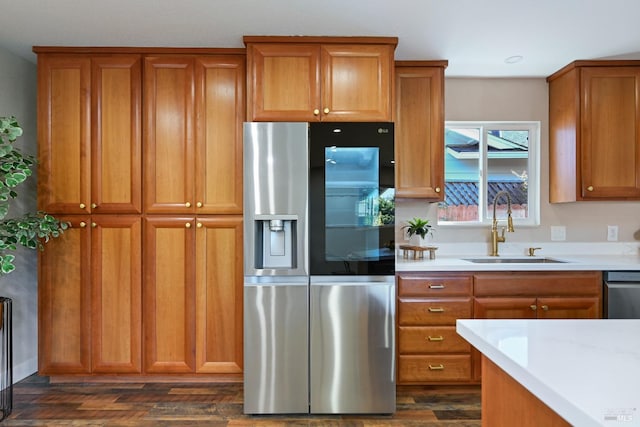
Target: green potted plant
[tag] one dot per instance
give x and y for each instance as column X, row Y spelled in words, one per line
column 418, row 227
column 30, row 230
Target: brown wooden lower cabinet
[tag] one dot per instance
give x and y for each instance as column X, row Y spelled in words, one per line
column 169, row 295
column 64, row 301
column 89, row 308
column 193, row 295
column 102, row 313
column 116, row 322
column 429, row 303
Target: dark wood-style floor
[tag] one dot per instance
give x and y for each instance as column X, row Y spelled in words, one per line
column 37, row 402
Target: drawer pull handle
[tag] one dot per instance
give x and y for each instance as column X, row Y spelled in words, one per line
column 436, row 286
column 439, row 367
column 438, row 338
column 545, row 307
column 436, row 310
column 533, row 307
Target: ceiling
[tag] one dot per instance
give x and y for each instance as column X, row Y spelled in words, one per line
column 475, row 36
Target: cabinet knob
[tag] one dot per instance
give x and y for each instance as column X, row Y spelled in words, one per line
column 93, row 206
column 436, row 310
column 437, row 189
column 432, row 286
column 326, row 110
column 199, row 204
column 316, row 112
column 199, row 225
column 545, row 307
column 590, row 188
column 187, row 204
column 439, row 367
column 188, row 225
column 83, row 224
column 438, row 338
column 94, row 225
column 82, row 206
column 533, row 307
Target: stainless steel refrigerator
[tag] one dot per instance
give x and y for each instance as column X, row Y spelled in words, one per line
column 319, row 295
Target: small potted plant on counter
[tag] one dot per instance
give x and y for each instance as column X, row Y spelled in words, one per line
column 417, row 230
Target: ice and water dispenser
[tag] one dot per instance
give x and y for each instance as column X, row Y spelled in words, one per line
column 275, row 238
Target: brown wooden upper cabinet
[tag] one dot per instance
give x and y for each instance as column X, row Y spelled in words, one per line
column 319, row 78
column 193, row 114
column 419, row 129
column 89, row 133
column 594, row 131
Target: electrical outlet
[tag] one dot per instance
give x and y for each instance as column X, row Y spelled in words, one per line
column 612, row 233
column 558, row 233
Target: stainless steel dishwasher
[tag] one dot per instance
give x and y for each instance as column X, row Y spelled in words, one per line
column 622, row 294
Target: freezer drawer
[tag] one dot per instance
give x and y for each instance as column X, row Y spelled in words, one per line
column 276, row 348
column 352, row 348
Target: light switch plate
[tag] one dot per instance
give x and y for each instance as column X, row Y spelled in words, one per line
column 558, row 233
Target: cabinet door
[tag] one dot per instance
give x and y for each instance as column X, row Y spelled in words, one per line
column 505, row 308
column 64, row 300
column 356, row 82
column 64, row 132
column 569, row 308
column 219, row 97
column 116, row 170
column 219, row 286
column 283, row 82
column 168, row 134
column 169, row 295
column 419, row 132
column 610, row 132
column 116, row 292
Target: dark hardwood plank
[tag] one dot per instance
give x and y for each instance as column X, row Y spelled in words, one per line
column 38, row 402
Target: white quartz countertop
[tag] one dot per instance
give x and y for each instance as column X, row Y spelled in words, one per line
column 575, row 257
column 587, row 371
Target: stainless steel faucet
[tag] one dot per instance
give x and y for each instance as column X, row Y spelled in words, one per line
column 495, row 239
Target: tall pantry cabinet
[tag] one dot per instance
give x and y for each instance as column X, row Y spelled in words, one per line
column 136, row 144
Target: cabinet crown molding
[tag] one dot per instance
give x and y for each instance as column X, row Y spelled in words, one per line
column 593, row 63
column 321, row 39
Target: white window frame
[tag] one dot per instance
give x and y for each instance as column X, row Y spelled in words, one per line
column 533, row 179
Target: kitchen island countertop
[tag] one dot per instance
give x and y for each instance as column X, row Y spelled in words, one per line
column 586, row 371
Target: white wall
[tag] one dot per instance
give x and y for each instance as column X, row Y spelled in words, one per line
column 523, row 99
column 18, row 98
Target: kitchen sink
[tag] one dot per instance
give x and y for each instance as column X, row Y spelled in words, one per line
column 528, row 260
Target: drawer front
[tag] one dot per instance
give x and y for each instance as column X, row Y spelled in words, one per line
column 434, row 311
column 434, row 285
column 434, row 368
column 433, row 339
column 541, row 283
